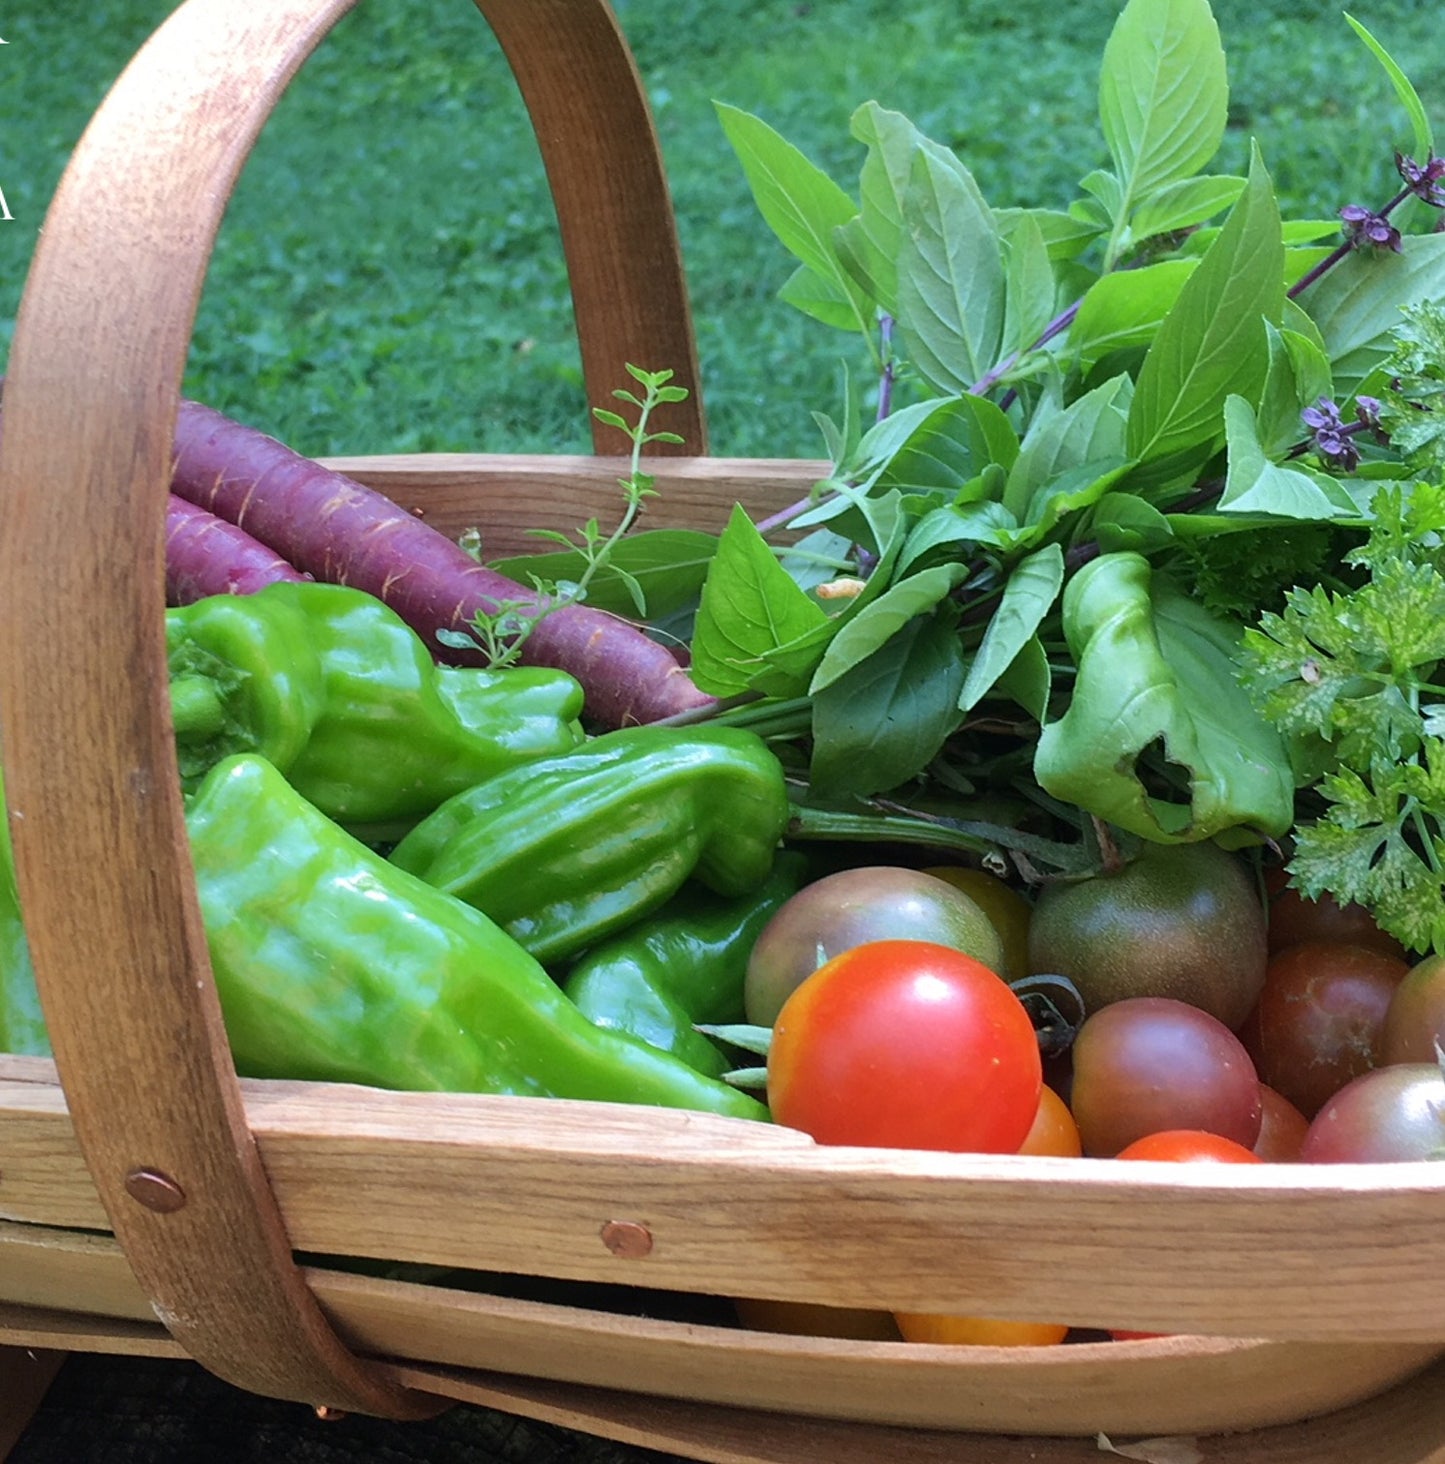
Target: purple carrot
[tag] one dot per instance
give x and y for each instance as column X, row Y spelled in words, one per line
column 205, row 555
column 339, row 531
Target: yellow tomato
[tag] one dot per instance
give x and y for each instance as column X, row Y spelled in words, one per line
column 1054, row 1131
column 1007, row 910
column 978, row 1331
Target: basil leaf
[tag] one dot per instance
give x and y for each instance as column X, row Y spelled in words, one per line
column 1356, row 305
column 1028, row 596
column 949, row 442
column 1254, row 484
column 1409, row 97
column 1163, row 94
column 1212, row 341
column 1092, row 427
column 951, row 290
column 880, row 621
column 1184, row 204
column 886, row 718
column 1125, row 308
column 1028, row 679
column 749, row 606
column 798, row 201
column 1028, row 287
column 1157, row 671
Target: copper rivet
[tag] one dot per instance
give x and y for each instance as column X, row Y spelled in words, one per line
column 627, row 1238
column 154, row 1190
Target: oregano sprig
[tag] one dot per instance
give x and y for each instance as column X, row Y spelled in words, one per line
column 500, row 634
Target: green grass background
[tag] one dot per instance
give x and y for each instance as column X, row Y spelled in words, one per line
column 389, row 277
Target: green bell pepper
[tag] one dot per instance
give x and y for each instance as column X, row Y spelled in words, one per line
column 567, row 850
column 337, row 691
column 684, row 965
column 22, row 1026
column 334, row 965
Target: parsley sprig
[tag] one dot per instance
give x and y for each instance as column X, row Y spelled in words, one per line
column 1351, row 678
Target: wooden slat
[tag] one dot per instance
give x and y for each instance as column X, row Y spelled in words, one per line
column 1404, row 1426
column 527, row 1185
column 605, row 172
column 1177, row 1384
column 506, row 495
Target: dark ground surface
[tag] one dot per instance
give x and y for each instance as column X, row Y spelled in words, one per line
column 131, row 1410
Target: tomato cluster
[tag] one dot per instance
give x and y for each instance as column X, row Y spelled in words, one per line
column 921, row 1042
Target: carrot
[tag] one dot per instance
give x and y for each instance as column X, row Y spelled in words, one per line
column 205, row 555
column 340, row 531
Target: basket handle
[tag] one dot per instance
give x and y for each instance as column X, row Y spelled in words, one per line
column 96, row 813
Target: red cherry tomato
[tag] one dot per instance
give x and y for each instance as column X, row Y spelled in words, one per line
column 1185, row 1146
column 1189, row 1146
column 906, row 1044
column 1319, row 1019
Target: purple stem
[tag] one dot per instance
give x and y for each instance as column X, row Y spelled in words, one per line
column 1057, row 326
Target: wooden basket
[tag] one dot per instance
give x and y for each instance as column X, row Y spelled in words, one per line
column 150, row 1202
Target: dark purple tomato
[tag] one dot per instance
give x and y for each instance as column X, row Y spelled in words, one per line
column 1282, row 1128
column 1319, row 1019
column 857, row 907
column 1150, row 1063
column 1294, row 920
column 1392, row 1113
column 1415, row 1018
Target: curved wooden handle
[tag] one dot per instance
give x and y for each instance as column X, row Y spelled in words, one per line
column 90, row 404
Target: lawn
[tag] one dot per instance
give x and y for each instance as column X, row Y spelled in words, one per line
column 389, row 278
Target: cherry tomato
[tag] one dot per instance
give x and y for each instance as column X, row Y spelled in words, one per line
column 1007, row 910
column 1415, row 1018
column 978, row 1331
column 811, row 1319
column 1150, row 1063
column 1392, row 1113
column 1282, row 1128
column 1181, row 1146
column 1054, row 1131
column 906, row 1044
column 1319, row 1018
column 1294, row 919
column 1189, row 1146
column 852, row 908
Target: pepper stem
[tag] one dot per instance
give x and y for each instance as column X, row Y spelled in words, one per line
column 197, row 708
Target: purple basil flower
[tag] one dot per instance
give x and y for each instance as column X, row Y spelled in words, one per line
column 1330, row 436
column 1424, row 181
column 1364, row 227
column 1367, row 414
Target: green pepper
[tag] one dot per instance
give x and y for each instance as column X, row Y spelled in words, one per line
column 334, row 965
column 684, row 965
column 564, row 851
column 338, row 692
column 22, row 1026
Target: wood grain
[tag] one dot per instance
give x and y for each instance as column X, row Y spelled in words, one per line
column 93, row 381
column 1175, row 1384
column 525, row 1186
